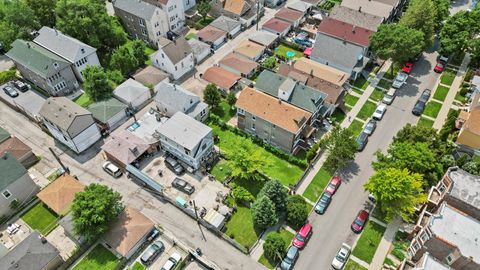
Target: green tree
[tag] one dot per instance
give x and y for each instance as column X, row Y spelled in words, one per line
column 96, row 83
column 241, row 194
column 270, row 63
column 231, row 98
column 421, row 15
column 458, row 31
column 115, row 76
column 397, row 191
column 263, row 213
column 124, row 60
column 44, row 10
column 211, row 95
column 246, row 161
column 471, row 167
column 274, row 247
column 396, row 42
column 203, row 8
column 297, row 212
column 442, row 11
column 17, row 21
column 413, row 134
column 448, row 161
column 277, row 193
column 341, row 147
column 138, row 51
column 94, row 209
column 88, row 21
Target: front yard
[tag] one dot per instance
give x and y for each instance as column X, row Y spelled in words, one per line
column 424, row 122
column 98, row 258
column 447, row 78
column 377, row 94
column 351, row 265
column 384, row 84
column 368, row 242
column 441, row 93
column 282, row 50
column 361, row 83
column 240, row 227
column 356, row 127
column 287, row 236
column 350, row 100
column 367, row 110
column 432, row 109
column 40, row 218
column 338, row 116
column 318, row 184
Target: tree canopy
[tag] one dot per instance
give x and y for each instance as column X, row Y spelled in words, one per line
column 459, row 32
column 96, row 83
column 17, row 21
column 124, row 60
column 421, row 15
column 297, row 211
column 203, row 7
column 211, row 95
column 277, row 193
column 341, row 146
column 442, row 11
column 44, row 10
column 274, row 247
column 246, row 161
column 263, row 213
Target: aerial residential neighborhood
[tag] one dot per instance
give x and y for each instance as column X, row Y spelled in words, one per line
column 240, row 134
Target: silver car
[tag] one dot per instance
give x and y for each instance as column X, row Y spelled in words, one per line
column 341, row 257
column 389, row 96
column 370, row 127
column 152, row 252
column 400, row 80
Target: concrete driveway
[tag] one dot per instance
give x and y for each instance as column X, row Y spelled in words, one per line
column 5, row 63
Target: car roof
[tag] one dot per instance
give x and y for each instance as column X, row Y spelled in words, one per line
column 176, row 256
column 305, row 229
column 292, row 250
column 382, row 106
column 362, row 214
column 391, row 91
column 362, row 135
column 335, row 179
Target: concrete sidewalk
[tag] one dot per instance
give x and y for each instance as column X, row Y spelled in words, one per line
column 454, row 88
column 385, row 244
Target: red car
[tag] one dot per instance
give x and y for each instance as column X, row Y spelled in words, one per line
column 359, row 223
column 302, row 236
column 334, row 184
column 439, row 67
column 407, row 68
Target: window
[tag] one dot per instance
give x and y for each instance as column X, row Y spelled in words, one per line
column 442, row 188
column 163, row 56
column 253, row 126
column 254, row 118
column 449, row 259
column 416, row 246
column 141, row 22
column 182, row 65
column 274, row 126
column 176, row 68
column 7, row 194
column 424, row 237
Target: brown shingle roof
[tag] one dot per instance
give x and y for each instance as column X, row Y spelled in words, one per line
column 177, row 50
column 272, row 109
column 276, row 25
column 239, row 63
column 473, row 122
column 345, row 31
column 15, row 147
column 150, row 75
column 221, row 77
column 125, row 147
column 235, row 6
column 130, row 227
column 59, row 195
column 249, row 49
column 288, row 15
column 321, row 71
column 210, row 34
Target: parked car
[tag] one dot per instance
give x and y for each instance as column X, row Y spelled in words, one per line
column 322, row 204
column 183, row 186
column 302, row 236
column 362, row 141
column 370, row 127
column 379, row 112
column 425, row 96
column 334, row 184
column 342, row 256
column 439, row 67
column 152, row 252
column 400, row 80
column 172, row 261
column 174, row 165
column 20, row 85
column 389, row 96
column 418, row 108
column 407, row 68
column 112, row 169
column 290, row 258
column 10, row 91
column 153, row 234
column 359, row 223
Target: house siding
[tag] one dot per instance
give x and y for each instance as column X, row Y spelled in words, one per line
column 116, row 120
column 88, row 137
column 22, row 190
column 178, row 151
column 164, row 63
column 92, row 60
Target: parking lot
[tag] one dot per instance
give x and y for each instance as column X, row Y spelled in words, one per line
column 29, row 101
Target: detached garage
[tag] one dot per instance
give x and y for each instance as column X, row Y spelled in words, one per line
column 212, row 36
column 108, row 114
column 133, row 94
column 229, row 25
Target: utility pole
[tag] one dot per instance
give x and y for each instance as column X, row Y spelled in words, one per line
column 196, row 213
column 65, row 168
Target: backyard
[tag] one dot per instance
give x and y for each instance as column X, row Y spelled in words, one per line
column 350, row 100
column 432, row 109
column 40, row 218
column 220, row 170
column 318, row 184
column 83, row 100
column 283, row 49
column 368, row 242
column 441, row 93
column 356, row 127
column 287, row 237
column 240, row 227
column 223, row 111
column 367, row 110
column 98, row 258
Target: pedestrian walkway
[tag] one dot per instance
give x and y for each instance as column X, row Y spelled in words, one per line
column 454, row 88
column 384, row 247
column 357, row 260
column 257, row 251
column 311, row 173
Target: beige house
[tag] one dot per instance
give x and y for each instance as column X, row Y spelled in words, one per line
column 469, row 135
column 249, row 50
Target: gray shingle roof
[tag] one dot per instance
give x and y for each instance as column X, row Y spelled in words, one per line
column 138, row 8
column 4, row 135
column 225, row 23
column 198, row 47
column 355, row 17
column 10, row 171
column 130, row 90
column 104, row 110
column 263, row 37
column 30, row 254
column 184, row 130
column 177, row 50
column 61, row 111
column 177, row 97
column 63, row 45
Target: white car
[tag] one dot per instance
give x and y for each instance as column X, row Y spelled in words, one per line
column 111, row 169
column 341, row 257
column 172, row 261
column 379, row 112
column 400, row 80
column 389, row 96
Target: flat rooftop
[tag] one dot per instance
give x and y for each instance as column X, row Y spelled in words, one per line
column 466, row 187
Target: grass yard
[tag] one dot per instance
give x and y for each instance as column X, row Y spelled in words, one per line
column 367, row 110
column 83, row 100
column 318, row 184
column 361, row 83
column 137, row 266
column 400, row 245
column 283, row 49
column 98, row 258
column 329, row 4
column 224, row 111
column 190, row 36
column 351, row 265
column 377, row 94
column 148, row 51
column 360, row 92
column 280, row 169
column 338, row 116
column 424, row 122
column 441, row 93
column 350, row 100
column 460, row 98
column 389, row 74
column 40, row 218
column 287, row 237
column 368, row 242
column 384, row 84
column 432, row 109
column 356, row 127
column 240, row 227
column 221, row 170
column 447, row 78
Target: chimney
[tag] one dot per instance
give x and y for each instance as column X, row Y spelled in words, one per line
column 360, row 8
column 353, row 29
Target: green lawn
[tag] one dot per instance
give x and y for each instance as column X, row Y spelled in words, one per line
column 460, row 98
column 240, row 227
column 283, row 49
column 384, row 84
column 350, row 100
column 432, row 109
column 351, row 265
column 280, row 169
column 137, row 266
column 356, row 127
column 441, row 93
column 203, row 22
column 367, row 110
column 338, row 116
column 287, row 237
column 447, row 78
column 361, row 83
column 368, row 242
column 224, row 111
column 389, row 74
column 220, row 170
column 377, row 94
column 83, row 100
column 40, row 218
column 318, row 184
column 191, row 36
column 329, row 4
column 98, row 258
column 360, row 92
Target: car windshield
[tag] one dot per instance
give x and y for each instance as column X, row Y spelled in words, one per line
column 402, row 76
column 379, row 111
column 331, row 185
column 340, row 258
column 299, row 237
column 359, row 222
column 387, row 95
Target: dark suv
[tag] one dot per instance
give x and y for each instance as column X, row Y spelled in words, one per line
column 362, row 141
column 20, row 85
column 173, row 165
column 183, row 186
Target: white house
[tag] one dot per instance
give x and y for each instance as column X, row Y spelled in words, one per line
column 69, row 123
column 187, row 139
column 174, row 57
column 77, row 53
column 134, row 94
column 188, row 4
column 201, row 50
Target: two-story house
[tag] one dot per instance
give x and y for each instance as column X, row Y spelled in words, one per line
column 77, row 53
column 69, row 123
column 174, row 57
column 187, row 139
column 175, row 12
column 43, row 68
column 356, row 17
column 273, row 120
column 245, row 11
column 172, row 98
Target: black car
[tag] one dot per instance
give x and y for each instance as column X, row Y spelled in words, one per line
column 323, row 203
column 425, row 95
column 183, row 186
column 20, row 85
column 418, row 108
column 290, row 258
column 152, row 252
column 174, row 165
column 362, row 141
column 370, row 127
column 10, row 91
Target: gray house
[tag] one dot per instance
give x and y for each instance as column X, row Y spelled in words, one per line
column 187, row 139
column 171, row 98
column 15, row 184
column 229, row 25
column 43, row 68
